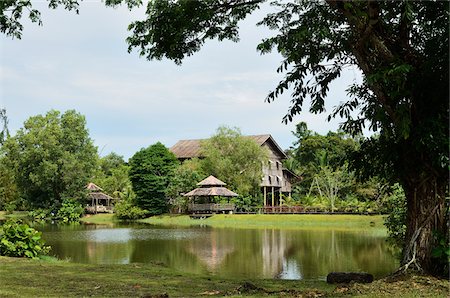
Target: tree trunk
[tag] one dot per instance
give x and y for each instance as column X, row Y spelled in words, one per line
column 427, row 215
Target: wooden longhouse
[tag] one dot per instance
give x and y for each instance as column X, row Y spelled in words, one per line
column 276, row 179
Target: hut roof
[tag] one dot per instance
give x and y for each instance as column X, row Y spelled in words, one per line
column 91, row 186
column 101, row 196
column 211, row 192
column 191, row 148
column 211, row 181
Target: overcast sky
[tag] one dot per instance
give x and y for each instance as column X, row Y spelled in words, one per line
column 81, row 62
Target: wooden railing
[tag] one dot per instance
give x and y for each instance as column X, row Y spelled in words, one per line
column 282, row 209
column 209, row 208
column 99, row 209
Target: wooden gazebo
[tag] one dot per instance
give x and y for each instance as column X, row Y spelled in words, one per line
column 100, row 202
column 209, row 188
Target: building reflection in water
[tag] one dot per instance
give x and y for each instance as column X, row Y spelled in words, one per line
column 212, row 249
column 276, row 263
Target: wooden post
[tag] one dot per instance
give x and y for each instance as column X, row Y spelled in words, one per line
column 273, row 197
column 265, row 196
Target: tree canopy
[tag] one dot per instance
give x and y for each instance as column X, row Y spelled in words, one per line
column 150, row 173
column 234, row 159
column 52, row 158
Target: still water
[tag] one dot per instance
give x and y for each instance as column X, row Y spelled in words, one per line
column 227, row 252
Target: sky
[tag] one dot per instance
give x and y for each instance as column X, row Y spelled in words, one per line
column 81, row 62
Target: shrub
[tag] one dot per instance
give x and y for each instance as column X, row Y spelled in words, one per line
column 125, row 209
column 19, row 240
column 70, row 210
column 395, row 204
column 39, row 214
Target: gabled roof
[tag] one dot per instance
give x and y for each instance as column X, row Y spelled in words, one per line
column 211, row 181
column 191, row 148
column 186, row 149
column 91, row 186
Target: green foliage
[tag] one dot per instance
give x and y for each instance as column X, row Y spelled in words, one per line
column 19, row 240
column 114, row 181
column 246, row 203
column 4, row 132
column 126, row 210
column 151, row 170
column 443, row 248
column 70, row 210
column 52, row 158
column 8, row 188
column 395, row 221
column 110, row 162
column 39, row 214
column 234, row 159
column 11, row 14
column 176, row 29
column 185, row 179
column 441, row 252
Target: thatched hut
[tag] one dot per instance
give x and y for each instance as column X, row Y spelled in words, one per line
column 100, row 202
column 209, row 188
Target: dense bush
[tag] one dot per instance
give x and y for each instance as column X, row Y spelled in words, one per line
column 39, row 214
column 125, row 209
column 19, row 240
column 70, row 210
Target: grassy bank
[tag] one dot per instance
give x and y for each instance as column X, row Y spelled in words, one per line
column 35, row 278
column 288, row 221
column 100, row 219
column 16, row 214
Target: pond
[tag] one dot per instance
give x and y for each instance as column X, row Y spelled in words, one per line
column 226, row 252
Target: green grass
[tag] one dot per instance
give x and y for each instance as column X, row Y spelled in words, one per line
column 100, row 219
column 288, row 221
column 34, row 278
column 39, row 278
column 16, row 214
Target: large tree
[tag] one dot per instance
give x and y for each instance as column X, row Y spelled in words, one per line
column 151, row 170
column 402, row 50
column 52, row 157
column 234, row 159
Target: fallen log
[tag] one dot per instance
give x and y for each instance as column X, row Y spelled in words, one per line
column 347, row 277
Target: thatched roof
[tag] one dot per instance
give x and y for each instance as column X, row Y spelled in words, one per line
column 211, row 181
column 100, row 196
column 211, row 192
column 191, row 148
column 93, row 187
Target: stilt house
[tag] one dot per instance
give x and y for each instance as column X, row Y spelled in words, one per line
column 276, row 180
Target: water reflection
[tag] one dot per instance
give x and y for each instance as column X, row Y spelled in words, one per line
column 263, row 253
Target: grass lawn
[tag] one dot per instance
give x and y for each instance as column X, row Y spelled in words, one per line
column 38, row 278
column 100, row 219
column 285, row 221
